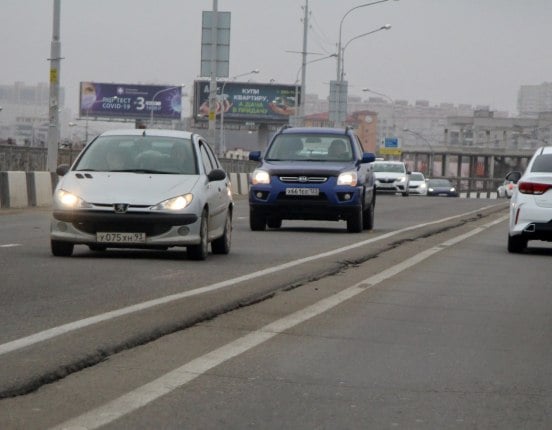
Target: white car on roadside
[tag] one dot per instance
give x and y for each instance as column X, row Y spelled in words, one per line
column 417, row 184
column 391, row 177
column 531, row 203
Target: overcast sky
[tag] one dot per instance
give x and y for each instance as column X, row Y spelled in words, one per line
column 477, row 52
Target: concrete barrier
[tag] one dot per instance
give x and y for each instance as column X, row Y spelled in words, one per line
column 34, row 189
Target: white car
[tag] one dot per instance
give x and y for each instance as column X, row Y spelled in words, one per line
column 139, row 188
column 417, row 184
column 531, row 203
column 509, row 185
column 391, row 176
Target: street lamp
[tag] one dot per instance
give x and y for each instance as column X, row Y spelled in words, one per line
column 431, row 152
column 222, row 148
column 153, row 100
column 368, row 90
column 339, row 62
column 383, row 27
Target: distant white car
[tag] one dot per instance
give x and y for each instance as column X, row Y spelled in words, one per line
column 506, row 189
column 531, row 203
column 137, row 188
column 417, row 184
column 391, row 176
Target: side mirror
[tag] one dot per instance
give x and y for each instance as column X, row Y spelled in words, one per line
column 62, row 169
column 255, row 155
column 216, row 175
column 513, row 176
column 368, row 157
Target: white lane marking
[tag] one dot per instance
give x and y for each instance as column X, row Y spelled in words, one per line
column 65, row 328
column 10, row 245
column 145, row 394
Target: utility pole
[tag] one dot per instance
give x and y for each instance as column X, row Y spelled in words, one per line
column 301, row 112
column 213, row 85
column 53, row 113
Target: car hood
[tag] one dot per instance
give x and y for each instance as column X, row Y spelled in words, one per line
column 123, row 187
column 390, row 175
column 328, row 168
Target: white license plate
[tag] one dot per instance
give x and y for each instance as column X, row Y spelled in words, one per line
column 302, row 191
column 108, row 237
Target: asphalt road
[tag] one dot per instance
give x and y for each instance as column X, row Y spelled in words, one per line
column 411, row 325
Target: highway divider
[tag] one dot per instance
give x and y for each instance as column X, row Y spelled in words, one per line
column 34, row 189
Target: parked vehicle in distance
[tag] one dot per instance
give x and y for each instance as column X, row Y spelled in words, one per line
column 311, row 173
column 506, row 189
column 441, row 187
column 391, row 177
column 143, row 189
column 417, row 184
column 530, row 215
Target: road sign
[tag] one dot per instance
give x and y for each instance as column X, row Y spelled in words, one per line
column 390, row 151
column 391, row 142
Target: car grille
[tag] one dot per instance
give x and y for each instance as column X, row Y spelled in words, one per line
column 386, row 181
column 150, row 229
column 304, row 179
column 319, row 198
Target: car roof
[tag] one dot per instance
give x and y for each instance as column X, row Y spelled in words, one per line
column 316, row 130
column 544, row 150
column 149, row 132
column 389, row 162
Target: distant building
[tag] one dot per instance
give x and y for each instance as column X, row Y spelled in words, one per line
column 534, row 99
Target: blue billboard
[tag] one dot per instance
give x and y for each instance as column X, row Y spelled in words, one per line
column 248, row 101
column 130, row 101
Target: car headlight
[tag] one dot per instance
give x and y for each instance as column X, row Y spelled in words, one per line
column 175, row 204
column 422, row 185
column 347, row 178
column 401, row 179
column 430, row 189
column 260, row 176
column 70, row 201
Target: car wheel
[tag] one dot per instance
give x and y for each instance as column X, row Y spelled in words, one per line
column 96, row 247
column 200, row 251
column 222, row 244
column 61, row 249
column 274, row 222
column 256, row 222
column 354, row 223
column 405, row 193
column 516, row 244
column 368, row 216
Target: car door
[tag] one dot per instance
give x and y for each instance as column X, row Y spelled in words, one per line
column 217, row 197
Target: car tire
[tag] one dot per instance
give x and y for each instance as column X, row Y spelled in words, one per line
column 354, row 222
column 200, row 251
column 516, row 244
column 368, row 215
column 256, row 222
column 61, row 249
column 405, row 193
column 222, row 244
column 274, row 222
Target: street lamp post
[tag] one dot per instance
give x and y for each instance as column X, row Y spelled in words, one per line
column 368, row 90
column 153, row 100
column 221, row 139
column 431, row 151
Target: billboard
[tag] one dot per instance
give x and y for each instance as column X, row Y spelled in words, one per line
column 248, row 101
column 130, row 101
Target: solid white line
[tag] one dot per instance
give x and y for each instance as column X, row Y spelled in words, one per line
column 72, row 326
column 177, row 378
column 10, row 245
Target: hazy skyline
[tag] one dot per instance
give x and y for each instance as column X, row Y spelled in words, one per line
column 476, row 52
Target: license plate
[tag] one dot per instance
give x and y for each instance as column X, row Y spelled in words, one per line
column 109, row 237
column 302, row 191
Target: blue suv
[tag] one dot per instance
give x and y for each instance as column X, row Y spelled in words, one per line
column 313, row 174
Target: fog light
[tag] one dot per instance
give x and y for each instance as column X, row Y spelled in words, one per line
column 62, row 226
column 259, row 194
column 347, row 196
column 183, row 231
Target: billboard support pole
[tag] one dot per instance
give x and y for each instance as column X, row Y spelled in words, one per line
column 213, row 85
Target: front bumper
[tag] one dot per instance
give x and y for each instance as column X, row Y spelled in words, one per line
column 161, row 229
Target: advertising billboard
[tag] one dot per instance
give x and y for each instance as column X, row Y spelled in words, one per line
column 248, row 101
column 130, row 101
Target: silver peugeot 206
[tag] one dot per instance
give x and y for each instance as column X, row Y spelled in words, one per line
column 141, row 188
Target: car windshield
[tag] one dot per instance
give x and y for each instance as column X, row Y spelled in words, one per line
column 439, row 183
column 417, row 177
column 320, row 147
column 542, row 163
column 139, row 154
column 389, row 167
